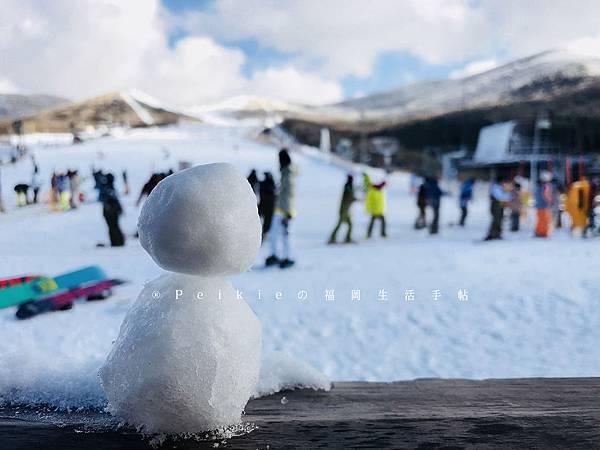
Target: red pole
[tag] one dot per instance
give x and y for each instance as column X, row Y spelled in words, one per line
column 568, row 170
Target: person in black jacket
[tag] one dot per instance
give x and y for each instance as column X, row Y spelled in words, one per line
column 421, row 221
column 112, row 210
column 266, row 206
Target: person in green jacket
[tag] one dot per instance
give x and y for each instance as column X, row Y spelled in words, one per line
column 348, row 198
column 375, row 204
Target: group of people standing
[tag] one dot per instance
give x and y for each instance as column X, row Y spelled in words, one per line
column 549, row 201
column 277, row 209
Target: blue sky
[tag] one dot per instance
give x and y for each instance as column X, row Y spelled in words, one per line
column 391, row 69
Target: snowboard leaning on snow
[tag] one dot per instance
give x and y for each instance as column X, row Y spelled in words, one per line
column 44, row 286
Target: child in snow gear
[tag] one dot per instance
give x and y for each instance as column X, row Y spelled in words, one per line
column 498, row 199
column 544, row 201
column 284, row 213
column 433, row 195
column 64, row 191
column 347, row 199
column 35, row 184
column 578, row 205
column 375, row 204
column 594, row 197
column 266, row 205
column 421, row 221
column 466, row 195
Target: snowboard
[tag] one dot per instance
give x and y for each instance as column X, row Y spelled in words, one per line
column 64, row 300
column 9, row 282
column 35, row 289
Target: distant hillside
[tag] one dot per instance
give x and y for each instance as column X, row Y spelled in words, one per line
column 448, row 113
column 17, row 105
column 127, row 108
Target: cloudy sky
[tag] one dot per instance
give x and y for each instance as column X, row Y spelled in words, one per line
column 190, row 52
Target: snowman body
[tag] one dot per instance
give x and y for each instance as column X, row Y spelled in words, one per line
column 187, row 357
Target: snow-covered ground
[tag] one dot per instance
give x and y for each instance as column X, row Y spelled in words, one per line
column 531, row 308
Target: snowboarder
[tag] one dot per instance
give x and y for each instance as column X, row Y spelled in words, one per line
column 421, row 221
column 375, row 204
column 515, row 205
column 284, row 213
column 253, row 180
column 433, row 195
column 544, row 201
column 466, row 195
column 348, row 198
column 498, row 199
column 112, row 210
column 266, row 205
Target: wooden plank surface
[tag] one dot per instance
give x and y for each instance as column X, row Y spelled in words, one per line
column 532, row 413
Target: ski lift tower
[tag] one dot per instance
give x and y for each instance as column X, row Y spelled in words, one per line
column 542, row 122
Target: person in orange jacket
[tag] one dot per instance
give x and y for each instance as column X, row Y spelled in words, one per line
column 578, row 205
column 544, row 200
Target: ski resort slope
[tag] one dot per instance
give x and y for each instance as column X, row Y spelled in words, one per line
column 531, row 308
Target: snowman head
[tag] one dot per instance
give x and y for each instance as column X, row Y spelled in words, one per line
column 202, row 221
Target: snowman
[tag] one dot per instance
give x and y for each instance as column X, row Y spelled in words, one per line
column 187, row 357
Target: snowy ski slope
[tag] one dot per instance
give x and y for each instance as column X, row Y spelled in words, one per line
column 531, row 308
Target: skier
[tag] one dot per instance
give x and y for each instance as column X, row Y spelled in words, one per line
column 421, row 221
column 515, row 205
column 498, row 198
column 375, row 204
column 544, row 200
column 253, row 180
column 266, row 205
column 433, row 195
column 466, row 195
column 284, row 213
column 21, row 191
column 578, row 205
column 112, row 210
column 347, row 199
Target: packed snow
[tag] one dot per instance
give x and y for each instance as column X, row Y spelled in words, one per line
column 184, row 363
column 531, row 307
column 202, row 221
column 187, row 357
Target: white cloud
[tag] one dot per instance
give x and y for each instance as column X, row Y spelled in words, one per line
column 474, row 68
column 89, row 47
column 292, row 85
column 345, row 37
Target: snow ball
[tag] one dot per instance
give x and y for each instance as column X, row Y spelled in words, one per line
column 184, row 365
column 202, row 221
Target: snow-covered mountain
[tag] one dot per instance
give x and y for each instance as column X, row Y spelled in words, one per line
column 129, row 108
column 537, row 77
column 17, row 105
